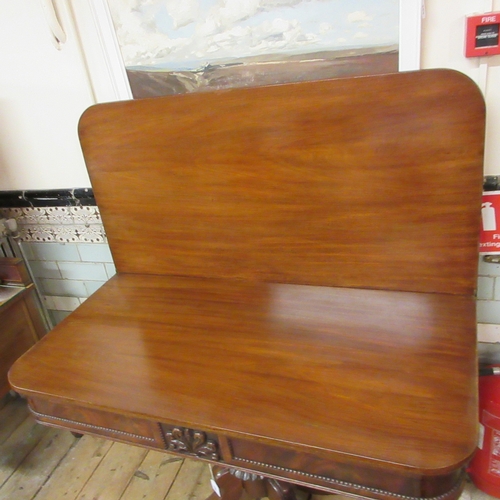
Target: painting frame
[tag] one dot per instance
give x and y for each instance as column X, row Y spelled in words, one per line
column 115, row 85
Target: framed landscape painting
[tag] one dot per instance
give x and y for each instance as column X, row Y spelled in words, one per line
column 178, row 46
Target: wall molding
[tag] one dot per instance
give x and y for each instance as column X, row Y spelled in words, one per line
column 47, row 198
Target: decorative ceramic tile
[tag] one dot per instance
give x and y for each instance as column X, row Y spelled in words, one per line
column 31, row 216
column 11, row 213
column 86, row 215
column 51, row 215
column 89, row 233
column 46, row 215
column 66, row 233
column 60, row 224
column 35, row 233
column 62, row 233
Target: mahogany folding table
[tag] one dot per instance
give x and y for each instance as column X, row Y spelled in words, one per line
column 294, row 301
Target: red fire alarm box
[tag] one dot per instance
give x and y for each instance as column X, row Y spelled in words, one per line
column 489, row 242
column 482, row 35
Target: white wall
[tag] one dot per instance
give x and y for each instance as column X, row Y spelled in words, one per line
column 43, row 92
column 443, row 42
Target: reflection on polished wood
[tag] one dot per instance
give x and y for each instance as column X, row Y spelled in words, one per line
column 294, row 297
column 276, row 355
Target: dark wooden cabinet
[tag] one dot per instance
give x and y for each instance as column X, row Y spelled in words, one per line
column 20, row 327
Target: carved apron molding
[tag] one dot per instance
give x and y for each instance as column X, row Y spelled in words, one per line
column 191, row 442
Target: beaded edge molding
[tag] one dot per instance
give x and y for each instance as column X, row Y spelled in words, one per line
column 354, row 486
column 90, row 426
column 58, row 224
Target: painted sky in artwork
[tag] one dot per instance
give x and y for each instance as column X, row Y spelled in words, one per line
column 186, row 34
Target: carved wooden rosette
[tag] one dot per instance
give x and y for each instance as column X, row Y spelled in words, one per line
column 191, row 442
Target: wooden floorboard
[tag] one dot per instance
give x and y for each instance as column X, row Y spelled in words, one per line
column 113, row 474
column 43, row 463
column 18, row 446
column 37, row 466
column 154, row 477
column 191, row 483
column 73, row 473
column 11, row 415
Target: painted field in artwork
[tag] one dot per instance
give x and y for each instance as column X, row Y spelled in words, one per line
column 178, row 46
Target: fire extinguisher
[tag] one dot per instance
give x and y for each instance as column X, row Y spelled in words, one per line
column 484, row 469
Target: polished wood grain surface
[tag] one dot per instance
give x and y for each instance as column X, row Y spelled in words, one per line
column 388, row 376
column 371, row 183
column 294, row 297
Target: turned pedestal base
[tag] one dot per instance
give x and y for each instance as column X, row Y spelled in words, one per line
column 234, row 484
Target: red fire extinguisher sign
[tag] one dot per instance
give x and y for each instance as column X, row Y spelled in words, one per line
column 489, row 242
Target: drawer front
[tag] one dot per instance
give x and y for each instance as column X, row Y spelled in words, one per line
column 343, row 475
column 101, row 423
column 334, row 473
